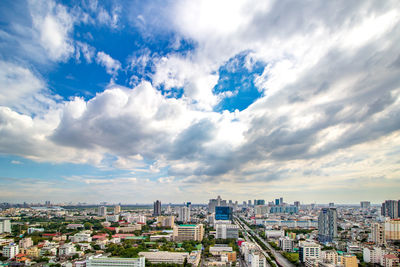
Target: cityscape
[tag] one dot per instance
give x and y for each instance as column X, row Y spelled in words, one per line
column 199, row 133
column 253, row 233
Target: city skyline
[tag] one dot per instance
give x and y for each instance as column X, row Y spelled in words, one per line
column 186, row 100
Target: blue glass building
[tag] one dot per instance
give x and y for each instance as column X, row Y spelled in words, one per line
column 223, row 213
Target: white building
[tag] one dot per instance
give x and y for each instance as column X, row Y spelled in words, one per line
column 188, row 232
column 32, row 230
column 373, row 255
column 274, row 233
column 309, row 250
column 115, row 262
column 225, row 231
column 102, row 211
column 184, row 214
column 5, row 226
column 112, row 218
column 67, row 250
column 10, row 250
column 286, row 244
column 378, row 234
column 165, row 257
column 257, row 259
column 81, row 237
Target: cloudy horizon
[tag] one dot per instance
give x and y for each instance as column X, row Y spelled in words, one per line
column 132, row 101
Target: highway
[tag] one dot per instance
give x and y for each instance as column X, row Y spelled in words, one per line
column 280, row 260
column 249, row 238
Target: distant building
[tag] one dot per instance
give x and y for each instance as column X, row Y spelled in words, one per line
column 188, row 232
column 365, row 204
column 32, row 230
column 5, row 225
column 184, row 214
column 297, row 204
column 329, row 256
column 166, row 221
column 260, row 202
column 223, row 213
column 226, row 231
column 214, row 203
column 102, row 211
column 390, row 208
column 274, row 233
column 117, row 209
column 331, row 205
column 115, row 262
column 157, row 208
column 327, row 225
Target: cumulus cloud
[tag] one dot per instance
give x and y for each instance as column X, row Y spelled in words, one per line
column 112, row 65
column 330, row 96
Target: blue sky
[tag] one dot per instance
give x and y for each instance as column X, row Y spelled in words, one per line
column 128, row 101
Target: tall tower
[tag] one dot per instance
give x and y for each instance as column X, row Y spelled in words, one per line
column 390, row 208
column 157, row 208
column 327, row 225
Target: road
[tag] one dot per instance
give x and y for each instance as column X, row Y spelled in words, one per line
column 249, row 238
column 282, row 261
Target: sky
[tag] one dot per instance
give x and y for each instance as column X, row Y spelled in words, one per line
column 133, row 101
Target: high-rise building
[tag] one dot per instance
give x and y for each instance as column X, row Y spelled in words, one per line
column 260, row 202
column 286, row 244
column 157, row 208
column 102, row 211
column 281, row 201
column 297, row 204
column 392, row 229
column 5, row 225
column 184, row 214
column 188, row 232
column 117, row 209
column 10, row 250
column 223, row 213
column 309, row 250
column 215, row 203
column 390, row 208
column 249, row 203
column 331, row 205
column 47, row 203
column 378, row 234
column 327, row 225
column 365, row 204
column 277, row 202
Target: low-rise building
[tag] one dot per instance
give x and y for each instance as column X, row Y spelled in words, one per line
column 226, row 231
column 165, row 257
column 286, row 244
column 188, row 232
column 115, row 262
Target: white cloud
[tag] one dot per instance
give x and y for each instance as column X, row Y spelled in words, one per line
column 54, row 26
column 112, row 66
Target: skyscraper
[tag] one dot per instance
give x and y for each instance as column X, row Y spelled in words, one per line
column 102, row 211
column 365, row 204
column 223, row 213
column 184, row 214
column 117, row 209
column 157, row 208
column 390, row 208
column 327, row 225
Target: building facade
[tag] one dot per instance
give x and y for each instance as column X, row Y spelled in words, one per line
column 327, row 225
